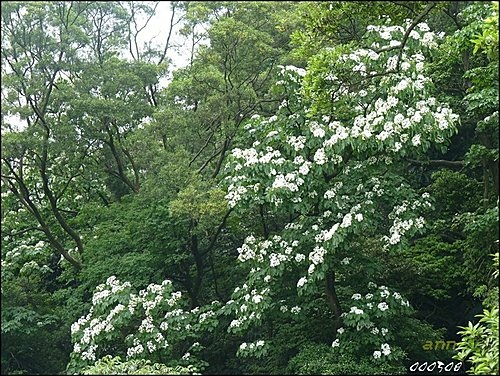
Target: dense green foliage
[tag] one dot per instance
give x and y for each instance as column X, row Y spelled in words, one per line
column 314, row 192
column 114, row 366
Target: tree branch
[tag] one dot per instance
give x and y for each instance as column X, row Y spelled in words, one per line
column 438, row 162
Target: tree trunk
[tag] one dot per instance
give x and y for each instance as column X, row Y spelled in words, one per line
column 332, row 298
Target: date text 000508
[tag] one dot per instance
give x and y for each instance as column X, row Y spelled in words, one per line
column 429, row 367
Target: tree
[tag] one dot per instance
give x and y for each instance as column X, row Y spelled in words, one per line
column 333, row 159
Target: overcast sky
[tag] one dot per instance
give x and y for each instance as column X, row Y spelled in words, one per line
column 157, row 30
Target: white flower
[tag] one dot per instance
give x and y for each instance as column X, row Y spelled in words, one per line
column 369, row 296
column 403, row 84
column 428, row 39
column 359, row 217
column 159, row 337
column 414, row 34
column 275, row 261
column 384, row 331
column 243, row 346
column 386, row 349
column 375, row 331
column 423, row 26
column 299, row 257
column 304, row 169
column 329, row 194
column 340, row 330
column 317, row 130
column 297, row 142
column 295, row 309
column 383, row 306
column 377, row 354
column 356, row 310
column 311, row 269
column 317, row 255
column 267, row 278
column 347, row 220
column 151, row 346
column 336, row 343
column 320, row 157
column 416, row 140
column 356, row 296
column 345, row 260
column 384, row 293
column 385, row 35
column 302, row 282
column 257, row 299
column 235, row 324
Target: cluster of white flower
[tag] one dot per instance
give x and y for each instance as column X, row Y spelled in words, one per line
column 276, row 250
column 317, row 129
column 384, row 292
column 90, row 353
column 235, row 194
column 251, row 346
column 250, row 156
column 290, row 68
column 205, row 315
column 147, row 325
column 317, row 255
column 290, row 181
column 297, row 142
column 151, row 346
column 301, row 282
column 400, row 227
column 136, row 350
column 356, row 310
column 341, row 133
column 100, row 295
column 383, row 306
column 385, row 350
column 245, row 253
column 88, row 328
column 320, row 157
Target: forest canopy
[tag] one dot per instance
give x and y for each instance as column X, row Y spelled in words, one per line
column 314, row 191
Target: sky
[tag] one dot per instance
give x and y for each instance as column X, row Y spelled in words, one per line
column 157, row 30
